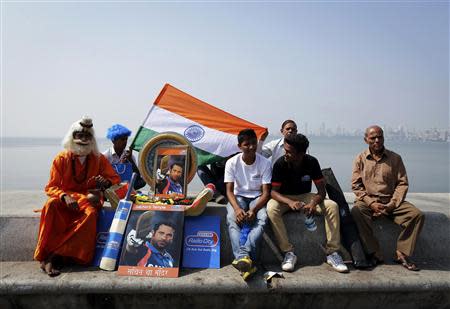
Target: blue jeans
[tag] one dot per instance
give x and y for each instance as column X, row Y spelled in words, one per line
column 257, row 228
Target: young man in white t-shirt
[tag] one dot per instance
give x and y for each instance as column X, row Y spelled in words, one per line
column 247, row 179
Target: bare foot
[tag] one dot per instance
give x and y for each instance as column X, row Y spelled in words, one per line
column 48, row 268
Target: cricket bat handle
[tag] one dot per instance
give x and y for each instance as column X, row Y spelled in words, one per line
column 130, row 186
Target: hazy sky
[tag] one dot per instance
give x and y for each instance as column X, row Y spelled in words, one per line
column 350, row 63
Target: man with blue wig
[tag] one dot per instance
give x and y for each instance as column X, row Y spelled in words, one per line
column 117, row 155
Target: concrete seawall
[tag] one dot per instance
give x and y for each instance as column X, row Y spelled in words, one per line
column 312, row 284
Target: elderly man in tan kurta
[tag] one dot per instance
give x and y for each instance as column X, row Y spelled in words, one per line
column 380, row 184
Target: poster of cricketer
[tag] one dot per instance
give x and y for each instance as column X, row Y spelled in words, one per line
column 153, row 240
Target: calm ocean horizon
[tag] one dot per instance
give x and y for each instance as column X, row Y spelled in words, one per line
column 25, row 162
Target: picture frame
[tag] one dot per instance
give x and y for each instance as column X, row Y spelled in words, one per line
column 171, row 163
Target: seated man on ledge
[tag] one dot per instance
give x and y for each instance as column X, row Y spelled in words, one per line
column 247, row 179
column 380, row 183
column 292, row 179
column 67, row 229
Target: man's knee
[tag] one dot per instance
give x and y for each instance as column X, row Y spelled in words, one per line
column 52, row 202
column 93, row 199
column 273, row 208
column 416, row 214
column 261, row 216
column 331, row 206
column 231, row 217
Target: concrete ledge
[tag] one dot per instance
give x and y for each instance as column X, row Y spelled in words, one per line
column 24, row 285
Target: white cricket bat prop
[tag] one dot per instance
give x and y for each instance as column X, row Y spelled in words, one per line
column 114, row 243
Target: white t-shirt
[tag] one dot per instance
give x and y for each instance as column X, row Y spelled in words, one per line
column 248, row 179
column 273, row 150
column 113, row 157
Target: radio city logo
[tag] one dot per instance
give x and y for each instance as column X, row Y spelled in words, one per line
column 194, row 133
column 202, row 239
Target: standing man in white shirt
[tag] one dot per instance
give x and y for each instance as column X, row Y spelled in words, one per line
column 274, row 150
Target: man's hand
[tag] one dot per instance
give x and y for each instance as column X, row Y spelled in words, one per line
column 309, row 209
column 101, row 182
column 389, row 207
column 296, row 205
column 159, row 176
column 126, row 156
column 132, row 240
column 251, row 215
column 71, row 202
column 378, row 209
column 240, row 215
column 264, row 136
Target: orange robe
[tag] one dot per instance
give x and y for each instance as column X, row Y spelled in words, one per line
column 67, row 232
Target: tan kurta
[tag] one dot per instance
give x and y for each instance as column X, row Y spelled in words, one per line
column 380, row 181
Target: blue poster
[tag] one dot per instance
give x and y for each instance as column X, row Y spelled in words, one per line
column 105, row 218
column 201, row 246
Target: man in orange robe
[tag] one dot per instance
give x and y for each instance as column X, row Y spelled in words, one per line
column 68, row 220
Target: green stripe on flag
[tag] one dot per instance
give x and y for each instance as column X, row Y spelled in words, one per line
column 204, row 157
column 141, row 137
column 144, row 134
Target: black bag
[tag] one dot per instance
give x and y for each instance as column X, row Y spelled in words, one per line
column 349, row 231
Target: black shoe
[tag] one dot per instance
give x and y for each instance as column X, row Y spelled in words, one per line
column 374, row 260
column 364, row 264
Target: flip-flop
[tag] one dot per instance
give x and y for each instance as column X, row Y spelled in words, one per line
column 407, row 263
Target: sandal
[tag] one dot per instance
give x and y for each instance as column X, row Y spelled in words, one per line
column 407, row 263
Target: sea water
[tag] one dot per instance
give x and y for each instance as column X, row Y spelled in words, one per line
column 25, row 162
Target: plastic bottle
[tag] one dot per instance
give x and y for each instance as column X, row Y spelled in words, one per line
column 310, row 223
column 244, row 233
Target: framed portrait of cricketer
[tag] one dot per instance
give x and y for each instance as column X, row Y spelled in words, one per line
column 152, row 241
column 166, row 139
column 170, row 168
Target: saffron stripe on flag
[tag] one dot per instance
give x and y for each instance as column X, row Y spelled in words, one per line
column 185, row 105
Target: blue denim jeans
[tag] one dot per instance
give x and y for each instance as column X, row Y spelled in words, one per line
column 257, row 228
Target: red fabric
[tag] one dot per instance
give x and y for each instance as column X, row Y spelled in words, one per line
column 122, row 191
column 143, row 261
column 66, row 232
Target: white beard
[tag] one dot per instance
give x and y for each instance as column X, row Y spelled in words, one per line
column 80, row 149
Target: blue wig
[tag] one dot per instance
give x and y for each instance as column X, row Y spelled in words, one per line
column 117, row 131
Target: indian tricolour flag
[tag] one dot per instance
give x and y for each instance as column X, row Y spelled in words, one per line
column 211, row 131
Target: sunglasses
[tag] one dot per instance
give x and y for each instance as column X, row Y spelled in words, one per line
column 81, row 135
